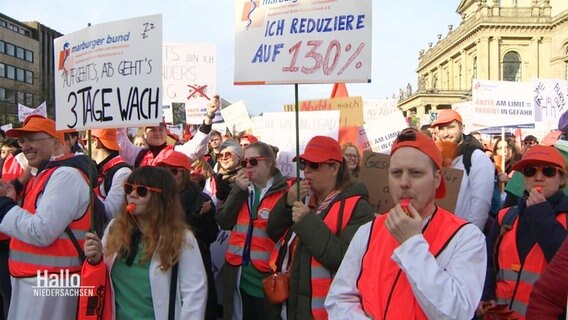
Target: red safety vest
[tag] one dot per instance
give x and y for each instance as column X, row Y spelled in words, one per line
column 100, row 179
column 321, row 277
column 26, row 259
column 515, row 280
column 260, row 245
column 384, row 288
column 148, row 158
column 11, row 169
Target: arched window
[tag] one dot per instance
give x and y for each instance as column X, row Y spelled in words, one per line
column 474, row 69
column 512, row 66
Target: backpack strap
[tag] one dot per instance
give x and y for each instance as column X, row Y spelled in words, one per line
column 108, row 176
column 76, row 244
column 173, row 287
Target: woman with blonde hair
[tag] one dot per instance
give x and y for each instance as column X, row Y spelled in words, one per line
column 143, row 248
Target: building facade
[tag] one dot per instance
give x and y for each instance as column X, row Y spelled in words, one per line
column 507, row 40
column 26, row 67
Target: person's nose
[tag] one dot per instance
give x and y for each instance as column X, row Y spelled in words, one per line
column 405, row 181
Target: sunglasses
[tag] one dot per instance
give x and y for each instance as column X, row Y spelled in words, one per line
column 225, row 155
column 253, row 161
column 313, row 165
column 140, row 190
column 546, row 171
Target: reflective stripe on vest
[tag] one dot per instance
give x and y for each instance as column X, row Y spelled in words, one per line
column 321, row 277
column 26, row 259
column 261, row 245
column 515, row 280
column 101, row 178
column 384, row 289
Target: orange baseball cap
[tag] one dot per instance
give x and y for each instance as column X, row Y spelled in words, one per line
column 541, row 155
column 174, row 159
column 446, row 116
column 37, row 124
column 415, row 139
column 322, row 149
column 107, row 137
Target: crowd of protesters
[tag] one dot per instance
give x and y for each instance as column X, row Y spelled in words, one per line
column 316, row 242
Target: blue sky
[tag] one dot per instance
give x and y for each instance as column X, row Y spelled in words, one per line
column 399, row 32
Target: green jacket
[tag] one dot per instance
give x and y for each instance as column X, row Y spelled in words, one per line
column 315, row 240
column 227, row 219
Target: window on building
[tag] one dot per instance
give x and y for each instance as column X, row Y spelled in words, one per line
column 2, row 50
column 29, row 99
column 20, row 97
column 2, row 94
column 512, row 66
column 10, row 49
column 3, row 23
column 2, row 70
column 474, row 69
column 20, row 75
column 29, row 56
column 20, row 53
column 10, row 72
column 29, row 77
column 10, row 95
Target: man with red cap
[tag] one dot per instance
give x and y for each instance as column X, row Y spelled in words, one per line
column 476, row 189
column 417, row 261
column 113, row 170
column 55, row 206
column 526, row 237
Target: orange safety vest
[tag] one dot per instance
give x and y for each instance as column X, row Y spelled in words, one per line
column 26, row 260
column 148, row 158
column 11, row 168
column 384, row 288
column 100, row 179
column 321, row 277
column 515, row 280
column 260, row 244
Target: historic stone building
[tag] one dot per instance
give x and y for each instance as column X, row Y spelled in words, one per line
column 510, row 40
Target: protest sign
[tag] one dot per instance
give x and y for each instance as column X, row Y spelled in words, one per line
column 24, row 111
column 375, row 109
column 278, row 129
column 189, row 77
column 280, row 42
column 381, row 133
column 374, row 174
column 502, row 103
column 466, row 111
column 109, row 75
column 236, row 117
column 168, row 114
column 550, row 99
column 350, row 109
column 6, row 127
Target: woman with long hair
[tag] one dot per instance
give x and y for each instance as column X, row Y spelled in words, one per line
column 353, row 158
column 147, row 240
column 256, row 190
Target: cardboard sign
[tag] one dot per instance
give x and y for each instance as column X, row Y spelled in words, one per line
column 350, row 109
column 110, row 75
column 290, row 42
column 25, row 111
column 374, row 174
column 236, row 117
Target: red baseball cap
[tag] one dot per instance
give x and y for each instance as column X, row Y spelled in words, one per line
column 446, row 116
column 416, row 139
column 174, row 159
column 249, row 137
column 541, row 155
column 322, row 149
column 107, row 137
column 37, row 124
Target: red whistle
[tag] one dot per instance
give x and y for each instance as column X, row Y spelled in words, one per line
column 130, row 208
column 404, row 202
column 539, row 189
column 249, row 174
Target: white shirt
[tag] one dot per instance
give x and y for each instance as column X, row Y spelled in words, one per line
column 115, row 197
column 476, row 189
column 446, row 287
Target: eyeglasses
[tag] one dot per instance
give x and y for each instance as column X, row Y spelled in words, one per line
column 253, row 161
column 29, row 140
column 546, row 171
column 140, row 190
column 225, row 155
column 313, row 165
column 351, row 156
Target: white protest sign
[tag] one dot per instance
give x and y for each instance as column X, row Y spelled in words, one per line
column 278, row 129
column 375, row 109
column 466, row 111
column 382, row 133
column 110, row 75
column 6, row 127
column 502, row 103
column 176, row 129
column 220, row 127
column 549, row 99
column 280, row 42
column 236, row 117
column 189, row 77
column 24, row 111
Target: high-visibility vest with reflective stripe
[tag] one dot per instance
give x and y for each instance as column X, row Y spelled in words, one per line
column 515, row 280
column 11, row 168
column 100, row 179
column 148, row 158
column 384, row 289
column 321, row 277
column 26, row 259
column 260, row 244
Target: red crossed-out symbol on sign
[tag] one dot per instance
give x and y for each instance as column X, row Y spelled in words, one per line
column 200, row 90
